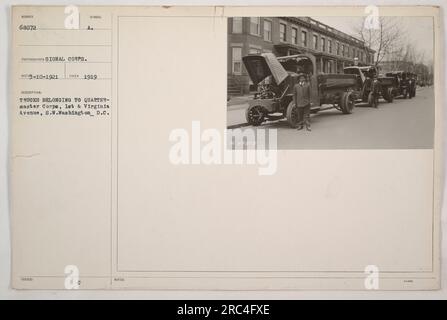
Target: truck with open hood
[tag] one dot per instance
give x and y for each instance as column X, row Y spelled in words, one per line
column 276, row 79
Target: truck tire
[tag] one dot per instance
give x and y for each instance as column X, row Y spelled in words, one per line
column 292, row 114
column 372, row 100
column 388, row 95
column 347, row 102
column 255, row 115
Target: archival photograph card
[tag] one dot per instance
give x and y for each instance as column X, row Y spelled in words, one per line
column 225, row 148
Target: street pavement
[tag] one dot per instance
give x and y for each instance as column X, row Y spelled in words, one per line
column 403, row 124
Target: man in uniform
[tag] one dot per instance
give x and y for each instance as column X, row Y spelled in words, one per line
column 301, row 97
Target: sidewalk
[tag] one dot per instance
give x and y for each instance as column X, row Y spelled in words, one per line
column 237, row 101
column 236, row 111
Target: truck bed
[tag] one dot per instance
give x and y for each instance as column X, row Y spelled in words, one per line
column 334, row 81
column 387, row 81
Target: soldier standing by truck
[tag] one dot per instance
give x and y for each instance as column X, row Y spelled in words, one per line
column 301, row 97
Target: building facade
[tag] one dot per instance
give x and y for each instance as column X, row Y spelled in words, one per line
column 284, row 36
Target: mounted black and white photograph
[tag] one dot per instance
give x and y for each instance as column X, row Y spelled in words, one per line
column 333, row 82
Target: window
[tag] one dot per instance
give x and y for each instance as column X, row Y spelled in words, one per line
column 237, row 25
column 329, row 67
column 315, row 42
column 237, row 60
column 343, row 50
column 323, row 44
column 338, row 48
column 282, row 32
column 304, row 38
column 255, row 26
column 294, row 35
column 329, row 46
column 267, row 30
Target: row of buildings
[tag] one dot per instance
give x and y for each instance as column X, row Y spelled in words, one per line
column 283, row 36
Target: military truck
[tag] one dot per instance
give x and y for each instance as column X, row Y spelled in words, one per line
column 276, row 78
column 370, row 85
column 404, row 86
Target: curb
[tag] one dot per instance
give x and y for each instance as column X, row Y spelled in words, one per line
column 235, row 126
column 237, row 107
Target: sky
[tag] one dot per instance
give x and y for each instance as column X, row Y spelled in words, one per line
column 418, row 30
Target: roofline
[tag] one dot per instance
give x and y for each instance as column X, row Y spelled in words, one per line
column 315, row 52
column 359, row 67
column 324, row 27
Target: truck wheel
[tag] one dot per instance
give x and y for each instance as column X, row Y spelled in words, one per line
column 347, row 102
column 388, row 95
column 405, row 94
column 372, row 100
column 292, row 114
column 255, row 115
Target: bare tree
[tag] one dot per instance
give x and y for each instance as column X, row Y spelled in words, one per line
column 407, row 58
column 385, row 39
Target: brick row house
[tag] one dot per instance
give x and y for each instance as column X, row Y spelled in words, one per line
column 284, row 36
